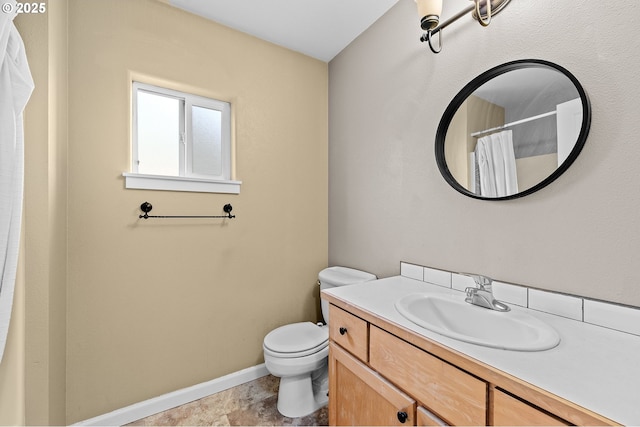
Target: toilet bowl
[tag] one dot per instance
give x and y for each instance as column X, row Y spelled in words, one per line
column 298, row 353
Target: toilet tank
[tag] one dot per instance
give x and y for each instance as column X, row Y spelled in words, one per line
column 340, row 276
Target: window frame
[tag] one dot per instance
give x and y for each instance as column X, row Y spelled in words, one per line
column 187, row 180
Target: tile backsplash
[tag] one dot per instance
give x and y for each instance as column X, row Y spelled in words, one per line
column 438, row 277
column 558, row 304
column 612, row 316
column 600, row 313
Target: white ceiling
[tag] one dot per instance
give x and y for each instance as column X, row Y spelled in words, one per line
column 540, row 86
column 317, row 28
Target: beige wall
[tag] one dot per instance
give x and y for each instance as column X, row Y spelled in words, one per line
column 12, row 369
column 38, row 320
column 388, row 201
column 532, row 170
column 157, row 305
column 474, row 115
column 119, row 310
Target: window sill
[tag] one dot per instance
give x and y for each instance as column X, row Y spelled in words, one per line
column 179, row 183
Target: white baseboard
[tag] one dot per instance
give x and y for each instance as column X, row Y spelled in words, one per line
column 152, row 406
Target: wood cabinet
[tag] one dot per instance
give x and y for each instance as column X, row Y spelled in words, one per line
column 349, row 331
column 362, row 396
column 380, row 374
column 455, row 396
column 507, row 410
column 428, row 418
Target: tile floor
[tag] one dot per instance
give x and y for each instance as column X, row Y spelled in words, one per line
column 250, row 404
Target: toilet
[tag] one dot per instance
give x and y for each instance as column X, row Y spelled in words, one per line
column 298, row 352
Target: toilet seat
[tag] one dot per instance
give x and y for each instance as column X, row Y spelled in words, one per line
column 296, row 340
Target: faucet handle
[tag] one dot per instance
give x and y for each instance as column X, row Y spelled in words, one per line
column 483, row 282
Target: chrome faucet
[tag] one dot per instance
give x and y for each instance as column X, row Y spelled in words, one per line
column 482, row 295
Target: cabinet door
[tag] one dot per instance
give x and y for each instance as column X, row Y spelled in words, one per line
column 425, row 417
column 454, row 395
column 359, row 396
column 506, row 410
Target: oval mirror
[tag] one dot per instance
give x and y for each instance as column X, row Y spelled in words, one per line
column 512, row 130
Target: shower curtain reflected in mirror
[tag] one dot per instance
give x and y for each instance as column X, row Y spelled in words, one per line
column 496, row 165
column 16, row 85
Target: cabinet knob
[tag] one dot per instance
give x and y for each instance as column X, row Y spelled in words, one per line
column 343, row 330
column 402, row 416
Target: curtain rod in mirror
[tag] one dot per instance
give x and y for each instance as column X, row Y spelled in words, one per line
column 517, row 122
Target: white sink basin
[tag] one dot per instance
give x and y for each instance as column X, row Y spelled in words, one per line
column 457, row 319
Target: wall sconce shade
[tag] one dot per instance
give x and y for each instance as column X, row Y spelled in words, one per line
column 429, row 12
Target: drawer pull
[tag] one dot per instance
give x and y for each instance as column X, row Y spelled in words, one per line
column 343, row 330
column 402, row 416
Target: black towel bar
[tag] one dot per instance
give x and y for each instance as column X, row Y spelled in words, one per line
column 146, row 208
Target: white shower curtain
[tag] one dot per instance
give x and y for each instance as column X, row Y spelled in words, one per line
column 16, row 86
column 497, row 165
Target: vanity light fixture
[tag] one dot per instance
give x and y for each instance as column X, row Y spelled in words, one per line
column 430, row 10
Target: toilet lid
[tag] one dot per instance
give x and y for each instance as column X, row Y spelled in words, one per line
column 297, row 338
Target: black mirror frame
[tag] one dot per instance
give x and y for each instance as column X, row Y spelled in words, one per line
column 471, row 87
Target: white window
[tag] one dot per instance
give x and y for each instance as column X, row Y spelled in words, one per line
column 180, row 142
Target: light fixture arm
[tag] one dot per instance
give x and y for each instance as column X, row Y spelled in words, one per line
column 479, row 15
column 491, row 10
column 448, row 22
column 429, row 35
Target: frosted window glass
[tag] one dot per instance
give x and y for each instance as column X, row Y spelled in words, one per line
column 158, row 134
column 206, row 127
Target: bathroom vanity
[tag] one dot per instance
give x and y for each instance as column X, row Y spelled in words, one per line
column 385, row 370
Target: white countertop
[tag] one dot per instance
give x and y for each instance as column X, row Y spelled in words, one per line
column 594, row 367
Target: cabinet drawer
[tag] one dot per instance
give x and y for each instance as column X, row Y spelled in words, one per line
column 350, row 331
column 506, row 410
column 455, row 396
